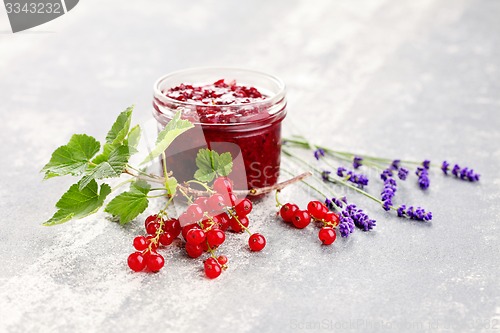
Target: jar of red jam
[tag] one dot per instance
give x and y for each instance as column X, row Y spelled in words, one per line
column 234, row 110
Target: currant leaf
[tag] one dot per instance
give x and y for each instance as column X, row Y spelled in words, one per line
column 77, row 203
column 134, row 136
column 72, row 158
column 128, row 205
column 171, row 185
column 224, row 164
column 210, row 164
column 109, row 167
column 119, row 130
column 174, row 128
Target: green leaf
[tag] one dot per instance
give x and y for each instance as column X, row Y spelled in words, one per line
column 210, row 164
column 224, row 164
column 130, row 204
column 134, row 136
column 119, row 130
column 76, row 203
column 72, row 158
column 174, row 128
column 113, row 166
column 171, row 185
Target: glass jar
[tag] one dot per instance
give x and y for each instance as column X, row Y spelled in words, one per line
column 250, row 131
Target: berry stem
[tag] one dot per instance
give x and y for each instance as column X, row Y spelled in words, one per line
column 230, row 211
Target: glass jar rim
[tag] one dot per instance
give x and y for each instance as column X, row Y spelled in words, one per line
column 276, row 97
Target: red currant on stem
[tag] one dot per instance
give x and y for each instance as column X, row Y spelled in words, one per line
column 140, row 243
column 136, row 262
column 194, row 251
column 327, row 235
column 301, row 219
column 194, row 212
column 222, row 260
column 155, row 262
column 195, row 236
column 239, row 224
column 166, row 238
column 215, row 237
column 223, row 185
column 243, row 208
column 317, row 209
column 332, row 218
column 216, row 202
column 287, row 211
column 212, row 268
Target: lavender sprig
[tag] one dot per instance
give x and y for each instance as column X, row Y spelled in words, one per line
column 388, row 193
column 418, row 214
column 350, row 216
column 463, row 174
column 358, row 179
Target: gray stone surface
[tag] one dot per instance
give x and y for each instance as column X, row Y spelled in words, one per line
column 417, row 79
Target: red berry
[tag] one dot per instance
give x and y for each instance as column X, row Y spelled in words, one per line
column 136, row 262
column 256, row 242
column 301, row 219
column 152, row 228
column 317, row 209
column 155, row 262
column 215, row 237
column 332, row 218
column 194, row 212
column 327, row 235
column 194, row 251
column 149, row 219
column 244, row 207
column 212, row 268
column 222, row 260
column 216, row 202
column 223, row 221
column 166, row 239
column 151, row 243
column 173, row 227
column 287, row 211
column 195, row 236
column 188, row 227
column 230, row 199
column 202, row 202
column 223, row 185
column 140, row 243
column 235, row 226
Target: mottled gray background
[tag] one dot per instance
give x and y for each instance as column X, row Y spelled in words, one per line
column 409, row 79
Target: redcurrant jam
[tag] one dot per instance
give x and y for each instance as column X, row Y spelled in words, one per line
column 240, row 113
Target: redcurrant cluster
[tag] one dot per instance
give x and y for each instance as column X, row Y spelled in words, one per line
column 204, row 225
column 316, row 211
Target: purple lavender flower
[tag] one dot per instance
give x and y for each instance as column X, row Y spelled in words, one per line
column 426, row 164
column 325, row 174
column 387, row 173
column 388, row 193
column 403, row 173
column 337, row 202
column 358, row 179
column 357, row 162
column 319, row 153
column 395, row 164
column 464, row 174
column 445, row 167
column 346, row 226
column 418, row 214
column 423, row 177
column 361, row 220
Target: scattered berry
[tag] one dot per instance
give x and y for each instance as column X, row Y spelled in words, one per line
column 256, row 242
